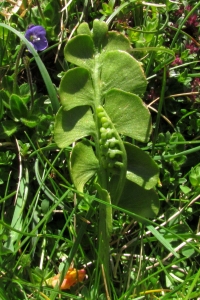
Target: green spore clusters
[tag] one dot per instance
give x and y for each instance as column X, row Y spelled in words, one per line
column 109, row 140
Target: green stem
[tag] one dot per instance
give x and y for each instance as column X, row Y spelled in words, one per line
column 182, row 23
column 19, row 55
column 40, row 12
column 76, row 244
column 45, row 75
column 102, row 176
column 105, row 230
column 155, row 41
column 186, row 152
column 162, row 96
column 43, row 187
column 29, row 78
column 105, row 212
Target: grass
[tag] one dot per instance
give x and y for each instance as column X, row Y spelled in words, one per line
column 47, row 225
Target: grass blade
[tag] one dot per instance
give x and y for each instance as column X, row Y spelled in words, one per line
column 45, row 75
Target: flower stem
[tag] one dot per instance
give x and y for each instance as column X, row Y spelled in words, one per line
column 40, row 12
column 29, row 78
column 19, row 55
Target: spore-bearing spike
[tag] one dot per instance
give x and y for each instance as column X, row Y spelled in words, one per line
column 109, row 144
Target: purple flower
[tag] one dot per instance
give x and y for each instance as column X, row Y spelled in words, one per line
column 36, row 35
column 192, row 48
column 177, row 61
column 193, row 21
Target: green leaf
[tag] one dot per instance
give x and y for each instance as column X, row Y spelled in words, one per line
column 17, row 217
column 7, row 128
column 141, row 168
column 24, row 91
column 132, row 117
column 31, row 122
column 50, row 13
column 5, row 98
column 84, row 29
column 80, row 51
column 124, row 73
column 117, row 41
column 142, row 202
column 100, row 30
column 1, row 109
column 194, row 176
column 84, row 164
column 45, row 206
column 187, row 251
column 112, row 40
column 185, row 189
column 107, row 10
column 18, row 107
column 162, row 240
column 76, row 88
column 7, row 83
column 72, row 125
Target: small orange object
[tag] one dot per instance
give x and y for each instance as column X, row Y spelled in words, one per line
column 72, row 277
